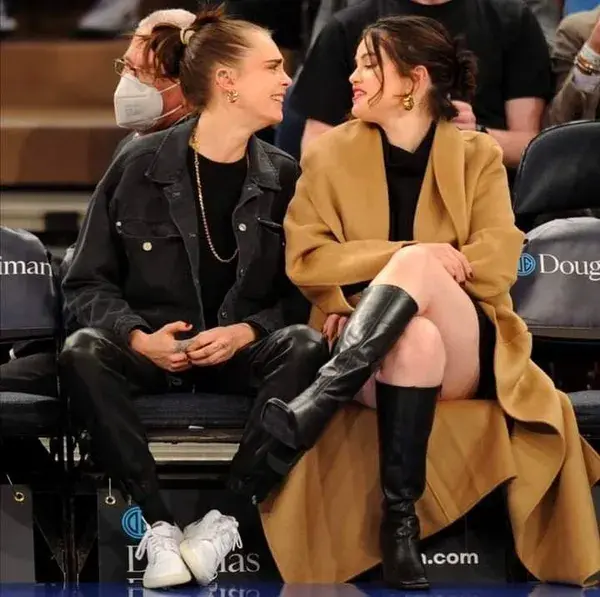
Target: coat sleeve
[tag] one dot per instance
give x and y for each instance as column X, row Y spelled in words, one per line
column 91, row 287
column 318, row 258
column 494, row 244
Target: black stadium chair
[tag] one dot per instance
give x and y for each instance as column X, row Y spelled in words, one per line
column 559, row 174
column 30, row 312
column 557, row 293
column 186, row 411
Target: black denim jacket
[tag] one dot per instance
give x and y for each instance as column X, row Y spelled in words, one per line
column 137, row 261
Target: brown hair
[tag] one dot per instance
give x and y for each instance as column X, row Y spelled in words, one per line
column 420, row 41
column 212, row 38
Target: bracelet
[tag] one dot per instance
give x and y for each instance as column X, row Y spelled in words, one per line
column 480, row 128
column 590, row 56
column 586, row 67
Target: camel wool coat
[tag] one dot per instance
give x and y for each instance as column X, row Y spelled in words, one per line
column 323, row 524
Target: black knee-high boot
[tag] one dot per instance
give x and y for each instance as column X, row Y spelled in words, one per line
column 404, row 421
column 378, row 321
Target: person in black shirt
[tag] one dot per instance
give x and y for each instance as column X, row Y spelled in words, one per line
column 514, row 74
column 178, row 281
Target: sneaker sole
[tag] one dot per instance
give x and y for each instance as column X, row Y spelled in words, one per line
column 170, row 580
column 195, row 565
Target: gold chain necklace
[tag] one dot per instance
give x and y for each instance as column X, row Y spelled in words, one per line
column 211, row 246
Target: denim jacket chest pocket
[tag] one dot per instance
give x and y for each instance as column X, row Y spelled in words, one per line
column 155, row 254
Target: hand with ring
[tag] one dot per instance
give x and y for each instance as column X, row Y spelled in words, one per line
column 218, row 345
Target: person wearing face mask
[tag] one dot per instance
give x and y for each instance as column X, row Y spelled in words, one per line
column 402, row 236
column 144, row 103
column 178, row 281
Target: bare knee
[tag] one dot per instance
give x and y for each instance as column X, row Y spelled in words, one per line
column 415, row 257
column 417, row 359
column 414, row 270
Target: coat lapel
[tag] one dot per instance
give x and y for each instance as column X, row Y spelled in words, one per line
column 443, row 187
column 365, row 173
column 441, row 210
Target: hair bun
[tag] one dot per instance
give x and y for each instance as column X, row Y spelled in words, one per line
column 465, row 71
column 207, row 16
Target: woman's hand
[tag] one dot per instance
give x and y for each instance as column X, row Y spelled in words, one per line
column 333, row 326
column 454, row 262
column 218, row 345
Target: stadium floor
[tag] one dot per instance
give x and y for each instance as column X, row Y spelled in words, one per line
column 278, row 590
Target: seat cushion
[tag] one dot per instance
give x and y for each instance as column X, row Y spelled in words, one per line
column 29, row 415
column 181, row 411
column 587, row 411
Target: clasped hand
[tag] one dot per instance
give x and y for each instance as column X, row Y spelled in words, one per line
column 206, row 349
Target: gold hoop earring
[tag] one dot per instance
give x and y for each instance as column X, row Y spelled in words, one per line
column 408, row 102
column 233, row 96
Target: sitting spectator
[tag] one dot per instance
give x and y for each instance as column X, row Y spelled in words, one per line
column 32, row 367
column 145, row 101
column 178, row 277
column 513, row 65
column 576, row 64
column 401, row 234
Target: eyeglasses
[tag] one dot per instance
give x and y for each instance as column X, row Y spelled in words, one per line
column 122, row 67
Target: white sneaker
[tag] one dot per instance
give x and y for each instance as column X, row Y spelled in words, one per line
column 204, row 550
column 165, row 566
column 110, row 16
column 202, row 527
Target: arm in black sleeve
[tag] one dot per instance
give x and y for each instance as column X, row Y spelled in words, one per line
column 322, row 91
column 527, row 71
column 291, row 306
column 92, row 286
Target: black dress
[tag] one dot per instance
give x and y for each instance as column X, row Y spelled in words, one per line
column 405, row 172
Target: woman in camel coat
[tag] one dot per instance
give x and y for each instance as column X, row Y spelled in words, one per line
column 402, row 236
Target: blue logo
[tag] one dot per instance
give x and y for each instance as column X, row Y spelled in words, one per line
column 133, row 523
column 527, row 265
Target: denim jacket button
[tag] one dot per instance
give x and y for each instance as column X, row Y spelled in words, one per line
column 242, row 227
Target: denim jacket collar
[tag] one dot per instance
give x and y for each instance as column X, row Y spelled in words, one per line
column 169, row 161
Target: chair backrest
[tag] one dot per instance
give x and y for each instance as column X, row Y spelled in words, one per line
column 557, row 292
column 559, row 171
column 29, row 304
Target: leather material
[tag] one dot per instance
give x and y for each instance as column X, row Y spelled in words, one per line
column 104, row 378
column 262, row 462
column 404, row 423
column 379, row 319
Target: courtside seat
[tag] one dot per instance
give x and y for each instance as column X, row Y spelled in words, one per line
column 587, row 411
column 193, row 411
column 29, row 415
column 557, row 292
column 29, row 310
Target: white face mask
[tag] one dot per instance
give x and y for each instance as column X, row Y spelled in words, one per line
column 137, row 105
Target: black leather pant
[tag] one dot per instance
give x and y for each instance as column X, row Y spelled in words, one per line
column 102, row 378
column 31, row 374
